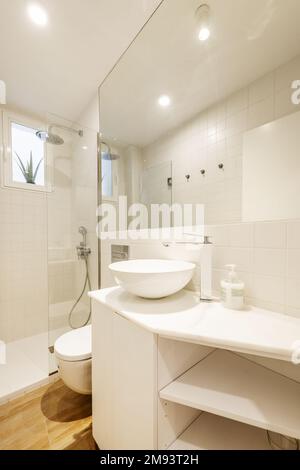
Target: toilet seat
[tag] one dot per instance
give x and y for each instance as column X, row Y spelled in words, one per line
column 75, row 345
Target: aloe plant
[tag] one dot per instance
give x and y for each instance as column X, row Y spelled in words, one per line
column 27, row 171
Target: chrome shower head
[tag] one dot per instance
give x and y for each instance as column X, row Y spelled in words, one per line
column 109, row 155
column 50, row 138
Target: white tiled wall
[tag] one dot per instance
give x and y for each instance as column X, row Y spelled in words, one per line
column 23, row 264
column 267, row 254
column 216, row 136
column 268, row 259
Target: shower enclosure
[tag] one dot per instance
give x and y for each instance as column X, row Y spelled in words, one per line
column 72, row 243
column 48, row 249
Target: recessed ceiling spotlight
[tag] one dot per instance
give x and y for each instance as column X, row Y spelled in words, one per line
column 203, row 20
column 204, row 34
column 85, row 147
column 37, row 14
column 164, row 101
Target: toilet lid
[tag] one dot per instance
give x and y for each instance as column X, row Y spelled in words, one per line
column 75, row 345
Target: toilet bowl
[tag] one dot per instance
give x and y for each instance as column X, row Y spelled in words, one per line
column 73, row 352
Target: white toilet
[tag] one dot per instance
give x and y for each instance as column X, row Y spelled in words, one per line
column 73, row 353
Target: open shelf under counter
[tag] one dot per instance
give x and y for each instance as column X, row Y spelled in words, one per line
column 211, row 432
column 230, row 386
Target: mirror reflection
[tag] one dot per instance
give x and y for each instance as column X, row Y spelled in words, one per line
column 190, row 100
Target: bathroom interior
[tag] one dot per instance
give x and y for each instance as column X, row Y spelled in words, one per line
column 188, row 334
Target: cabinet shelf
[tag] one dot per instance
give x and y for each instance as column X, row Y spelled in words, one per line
column 230, row 386
column 211, row 432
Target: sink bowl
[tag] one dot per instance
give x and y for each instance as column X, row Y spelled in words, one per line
column 152, row 278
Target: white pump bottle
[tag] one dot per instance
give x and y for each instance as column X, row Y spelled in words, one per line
column 232, row 290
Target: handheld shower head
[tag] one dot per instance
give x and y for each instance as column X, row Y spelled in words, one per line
column 83, row 231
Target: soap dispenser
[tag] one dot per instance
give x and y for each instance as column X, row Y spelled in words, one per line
column 232, row 290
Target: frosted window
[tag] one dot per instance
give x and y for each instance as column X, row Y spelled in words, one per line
column 26, row 145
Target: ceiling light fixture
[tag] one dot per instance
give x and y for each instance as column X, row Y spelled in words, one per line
column 37, row 14
column 203, row 21
column 164, row 101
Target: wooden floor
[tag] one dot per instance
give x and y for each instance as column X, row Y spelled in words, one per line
column 50, row 418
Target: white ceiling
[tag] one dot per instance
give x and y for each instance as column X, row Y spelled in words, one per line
column 249, row 39
column 57, row 69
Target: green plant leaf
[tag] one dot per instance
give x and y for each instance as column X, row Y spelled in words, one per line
column 30, row 169
column 20, row 163
column 28, row 172
column 37, row 169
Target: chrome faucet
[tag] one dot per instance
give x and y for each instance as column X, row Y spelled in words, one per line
column 205, row 264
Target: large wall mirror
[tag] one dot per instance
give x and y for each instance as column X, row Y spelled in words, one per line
column 201, row 109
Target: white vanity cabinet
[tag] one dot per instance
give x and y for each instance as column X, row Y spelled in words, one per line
column 130, row 367
column 155, row 390
column 124, row 383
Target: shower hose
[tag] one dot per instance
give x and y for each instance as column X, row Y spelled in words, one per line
column 87, row 283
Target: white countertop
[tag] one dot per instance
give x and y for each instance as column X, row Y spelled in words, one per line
column 183, row 317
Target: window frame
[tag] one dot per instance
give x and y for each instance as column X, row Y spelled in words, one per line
column 9, row 117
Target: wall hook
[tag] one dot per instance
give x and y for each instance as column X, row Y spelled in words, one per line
column 188, row 177
column 203, row 172
column 221, row 166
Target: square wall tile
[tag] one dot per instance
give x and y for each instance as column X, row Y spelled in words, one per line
column 284, row 104
column 242, row 257
column 269, row 289
column 293, row 263
column 270, row 235
column 261, row 113
column 269, row 262
column 287, row 73
column 261, row 89
column 293, row 234
column 237, row 102
column 293, row 293
column 219, row 234
column 241, row 235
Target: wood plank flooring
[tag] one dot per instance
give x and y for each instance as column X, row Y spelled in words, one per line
column 50, row 418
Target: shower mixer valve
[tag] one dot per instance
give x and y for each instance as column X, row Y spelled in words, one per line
column 83, row 251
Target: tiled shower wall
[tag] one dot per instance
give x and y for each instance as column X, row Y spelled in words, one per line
column 23, row 264
column 84, row 196
column 38, row 237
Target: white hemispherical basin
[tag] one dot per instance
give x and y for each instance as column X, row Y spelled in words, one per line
column 152, row 278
